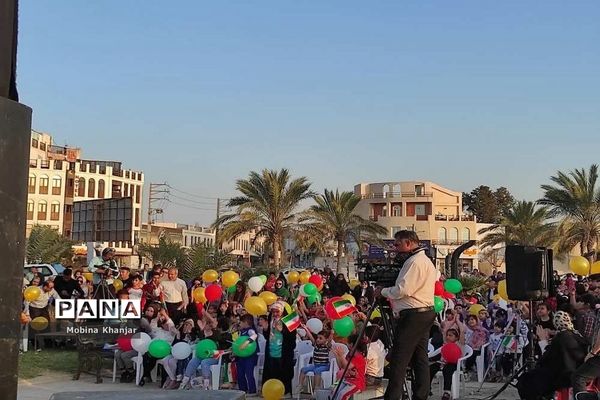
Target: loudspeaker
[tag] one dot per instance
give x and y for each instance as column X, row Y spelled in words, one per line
column 528, row 273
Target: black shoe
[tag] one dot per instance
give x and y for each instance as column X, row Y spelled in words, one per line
column 127, row 377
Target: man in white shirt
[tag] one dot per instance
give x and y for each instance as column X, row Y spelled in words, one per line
column 412, row 303
column 175, row 295
column 40, row 306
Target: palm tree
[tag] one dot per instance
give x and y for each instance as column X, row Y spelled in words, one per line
column 333, row 218
column 576, row 198
column 46, row 245
column 267, row 207
column 168, row 253
column 523, row 224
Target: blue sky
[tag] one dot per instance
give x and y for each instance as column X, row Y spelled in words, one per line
column 198, row 94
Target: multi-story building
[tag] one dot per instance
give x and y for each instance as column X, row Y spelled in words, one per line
column 431, row 210
column 58, row 177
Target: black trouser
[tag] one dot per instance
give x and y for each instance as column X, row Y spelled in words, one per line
column 174, row 313
column 586, row 372
column 472, row 360
column 411, row 335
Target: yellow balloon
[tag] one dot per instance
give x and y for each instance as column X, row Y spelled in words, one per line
column 287, row 307
column 230, row 278
column 579, row 265
column 304, row 277
column 502, row 289
column 255, row 306
column 376, row 313
column 198, row 295
column 475, row 308
column 273, row 389
column 350, row 298
column 268, row 297
column 88, row 276
column 210, row 275
column 32, row 293
column 39, row 323
column 596, row 267
column 293, row 277
column 118, row 284
column 354, row 283
column 496, row 298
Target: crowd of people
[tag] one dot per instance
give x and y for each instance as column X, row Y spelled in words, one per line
column 564, row 327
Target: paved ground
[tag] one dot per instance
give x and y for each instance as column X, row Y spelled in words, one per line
column 41, row 388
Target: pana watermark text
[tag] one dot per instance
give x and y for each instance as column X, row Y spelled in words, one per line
column 98, row 309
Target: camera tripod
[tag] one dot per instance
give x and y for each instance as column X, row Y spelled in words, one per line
column 388, row 337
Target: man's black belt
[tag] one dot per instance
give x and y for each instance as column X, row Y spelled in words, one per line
column 414, row 310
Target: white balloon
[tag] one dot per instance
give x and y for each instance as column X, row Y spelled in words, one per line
column 315, row 325
column 140, row 342
column 302, row 292
column 181, row 350
column 255, row 284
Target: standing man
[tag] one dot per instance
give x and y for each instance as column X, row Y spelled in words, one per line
column 125, row 276
column 65, row 285
column 412, row 303
column 175, row 295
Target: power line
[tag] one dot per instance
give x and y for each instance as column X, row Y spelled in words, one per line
column 190, row 206
column 192, row 194
column 191, row 201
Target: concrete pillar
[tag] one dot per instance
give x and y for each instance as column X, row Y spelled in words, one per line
column 15, row 136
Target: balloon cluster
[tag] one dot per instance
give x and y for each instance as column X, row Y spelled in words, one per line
column 581, row 266
column 445, row 290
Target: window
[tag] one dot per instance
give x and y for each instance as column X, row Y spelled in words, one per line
column 453, row 234
column 31, row 185
column 126, row 189
column 44, row 181
column 92, row 188
column 42, row 146
column 420, row 209
column 419, row 189
column 30, row 209
column 396, row 211
column 42, row 210
column 466, row 234
column 386, row 190
column 34, row 143
column 81, row 187
column 442, row 235
column 137, row 194
column 55, row 211
column 100, row 188
column 137, row 217
column 56, row 185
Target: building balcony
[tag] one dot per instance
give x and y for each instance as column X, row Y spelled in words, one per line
column 443, row 217
column 396, row 195
column 448, row 242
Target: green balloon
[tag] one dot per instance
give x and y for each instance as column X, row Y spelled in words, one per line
column 343, row 327
column 263, row 278
column 453, row 286
column 159, row 348
column 438, row 304
column 310, row 289
column 248, row 351
column 205, row 349
column 231, row 289
column 311, row 300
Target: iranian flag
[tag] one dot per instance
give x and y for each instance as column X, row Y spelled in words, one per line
column 510, row 343
column 291, row 321
column 343, row 307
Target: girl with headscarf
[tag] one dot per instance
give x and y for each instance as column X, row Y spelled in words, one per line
column 558, row 362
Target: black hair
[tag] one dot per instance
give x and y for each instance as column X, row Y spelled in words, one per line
column 453, row 331
column 249, row 319
column 67, row 272
column 361, row 346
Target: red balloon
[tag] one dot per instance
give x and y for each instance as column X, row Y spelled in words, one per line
column 124, row 343
column 213, row 293
column 439, row 288
column 334, row 314
column 316, row 280
column 451, row 353
column 447, row 295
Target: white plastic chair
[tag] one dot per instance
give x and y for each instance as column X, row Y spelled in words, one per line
column 215, row 373
column 457, row 376
column 302, row 347
column 328, row 377
column 480, row 363
column 260, row 364
column 138, row 365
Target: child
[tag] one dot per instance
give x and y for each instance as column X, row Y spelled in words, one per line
column 175, row 368
column 245, row 365
column 355, row 380
column 322, row 345
column 495, row 341
column 452, row 336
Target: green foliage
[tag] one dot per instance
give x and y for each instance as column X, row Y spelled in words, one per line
column 267, row 206
column 471, row 283
column 524, row 224
column 487, row 205
column 202, row 257
column 575, row 198
column 34, row 363
column 46, row 245
column 168, row 253
column 333, row 219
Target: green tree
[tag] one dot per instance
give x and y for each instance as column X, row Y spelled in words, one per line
column 267, row 206
column 333, row 218
column 46, row 245
column 201, row 257
column 487, row 205
column 575, row 198
column 523, row 224
column 168, row 253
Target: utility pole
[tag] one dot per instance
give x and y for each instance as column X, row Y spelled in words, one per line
column 155, row 194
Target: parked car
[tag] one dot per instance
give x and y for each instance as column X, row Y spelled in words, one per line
column 45, row 270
